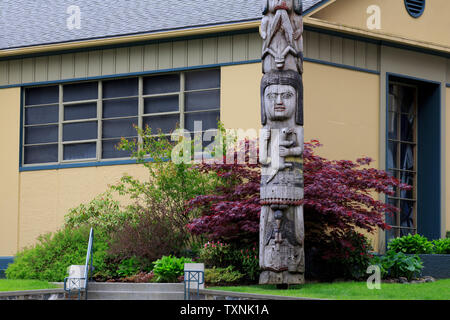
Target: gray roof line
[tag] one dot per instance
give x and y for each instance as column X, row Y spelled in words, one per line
column 25, row 23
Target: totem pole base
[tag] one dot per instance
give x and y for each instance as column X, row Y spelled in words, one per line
column 284, row 278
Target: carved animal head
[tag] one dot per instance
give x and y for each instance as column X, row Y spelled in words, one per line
column 285, row 132
column 288, row 5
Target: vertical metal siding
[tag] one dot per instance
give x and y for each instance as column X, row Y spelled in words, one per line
column 180, row 54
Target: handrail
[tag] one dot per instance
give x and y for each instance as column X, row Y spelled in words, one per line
column 195, row 276
column 87, row 267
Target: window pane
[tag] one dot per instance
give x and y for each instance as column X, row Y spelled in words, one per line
column 120, row 108
column 407, row 178
column 109, row 149
column 205, row 100
column 80, row 131
column 407, row 126
column 120, row 88
column 41, row 95
column 41, row 154
column 80, row 151
column 42, row 115
column 161, row 104
column 392, row 155
column 80, row 91
column 119, row 128
column 167, row 123
column 407, row 216
column 41, row 134
column 393, row 124
column 203, row 79
column 208, row 120
column 407, row 157
column 162, row 84
column 80, row 111
column 408, row 95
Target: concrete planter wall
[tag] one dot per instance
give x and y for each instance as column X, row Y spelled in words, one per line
column 46, row 294
column 436, row 265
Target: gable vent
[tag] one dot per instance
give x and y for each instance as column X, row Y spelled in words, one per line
column 415, row 8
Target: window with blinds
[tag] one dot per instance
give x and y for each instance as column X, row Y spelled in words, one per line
column 85, row 121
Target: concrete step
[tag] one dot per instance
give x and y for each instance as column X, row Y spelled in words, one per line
column 136, row 287
column 135, row 291
column 132, row 295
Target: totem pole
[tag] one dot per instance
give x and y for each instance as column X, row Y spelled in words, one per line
column 281, row 144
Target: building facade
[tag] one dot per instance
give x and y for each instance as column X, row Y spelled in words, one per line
column 376, row 84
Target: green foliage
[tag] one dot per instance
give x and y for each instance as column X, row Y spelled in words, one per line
column 103, row 213
column 216, row 254
column 221, row 276
column 411, row 244
column 441, row 246
column 169, row 181
column 129, row 267
column 169, row 268
column 249, row 261
column 49, row 259
column 398, row 264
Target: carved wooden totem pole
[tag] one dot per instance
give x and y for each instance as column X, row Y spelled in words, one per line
column 281, row 144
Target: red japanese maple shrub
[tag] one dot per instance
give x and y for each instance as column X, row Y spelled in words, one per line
column 338, row 199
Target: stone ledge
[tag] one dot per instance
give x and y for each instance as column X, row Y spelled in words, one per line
column 208, row 294
column 44, row 294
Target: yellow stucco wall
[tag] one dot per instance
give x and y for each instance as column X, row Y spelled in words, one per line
column 46, row 196
column 9, row 169
column 341, row 107
column 431, row 27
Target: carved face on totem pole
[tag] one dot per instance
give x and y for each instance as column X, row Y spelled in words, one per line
column 280, row 102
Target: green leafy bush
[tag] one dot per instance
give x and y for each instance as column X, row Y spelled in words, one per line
column 397, row 264
column 442, row 246
column 222, row 276
column 103, row 213
column 169, row 268
column 49, row 259
column 129, row 267
column 159, row 230
column 411, row 244
column 216, row 254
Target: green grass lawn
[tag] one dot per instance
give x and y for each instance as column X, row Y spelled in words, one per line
column 21, row 285
column 439, row 290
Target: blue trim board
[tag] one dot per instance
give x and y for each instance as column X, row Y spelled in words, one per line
column 76, row 165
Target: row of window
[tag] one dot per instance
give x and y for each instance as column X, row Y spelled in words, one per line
column 85, row 121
